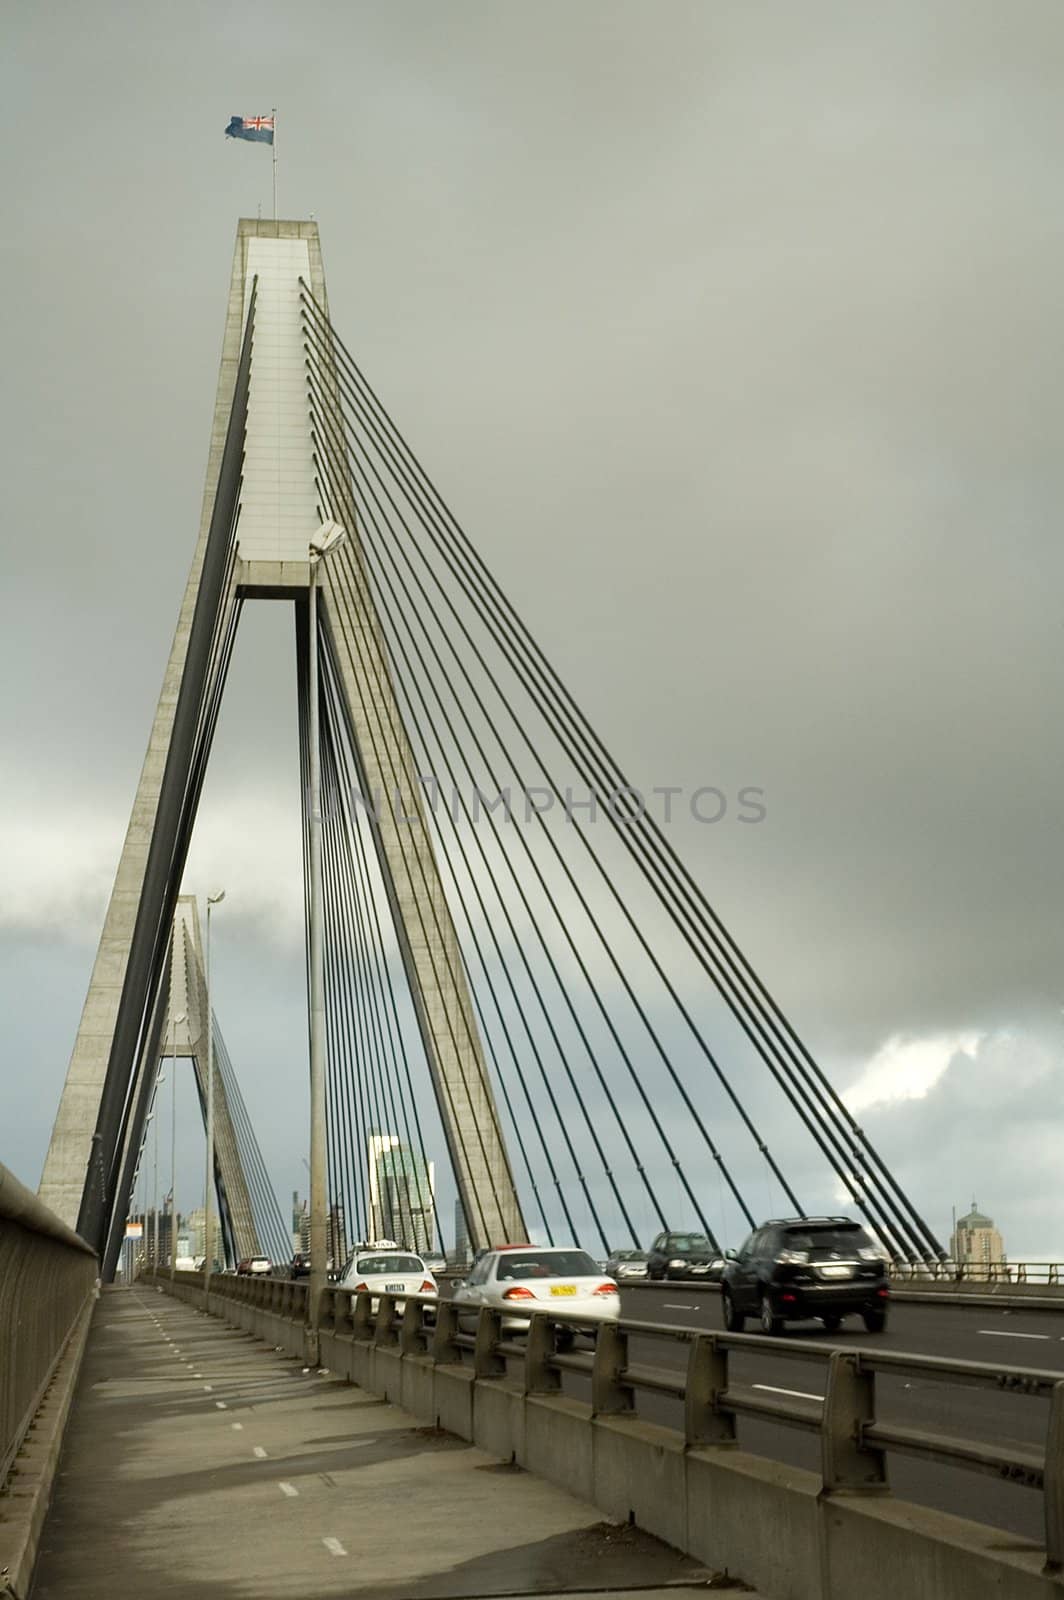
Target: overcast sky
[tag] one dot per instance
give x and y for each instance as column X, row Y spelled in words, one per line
column 733, row 333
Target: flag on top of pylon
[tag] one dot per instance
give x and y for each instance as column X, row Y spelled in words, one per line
column 258, row 129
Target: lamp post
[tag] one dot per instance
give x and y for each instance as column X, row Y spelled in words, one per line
column 160, row 1080
column 330, row 536
column 208, row 1182
column 173, row 1142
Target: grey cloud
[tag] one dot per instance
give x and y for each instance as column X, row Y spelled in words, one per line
column 731, row 333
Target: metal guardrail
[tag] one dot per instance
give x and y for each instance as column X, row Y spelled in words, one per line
column 47, row 1276
column 854, row 1440
column 1048, row 1272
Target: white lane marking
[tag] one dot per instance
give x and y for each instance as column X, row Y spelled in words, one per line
column 1007, row 1333
column 197, row 1374
column 796, row 1394
column 237, row 1427
column 334, row 1547
column 668, row 1306
column 221, row 1405
column 289, row 1489
column 209, row 1388
column 260, row 1452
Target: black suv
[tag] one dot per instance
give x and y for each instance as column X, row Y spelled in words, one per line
column 799, row 1267
column 684, row 1255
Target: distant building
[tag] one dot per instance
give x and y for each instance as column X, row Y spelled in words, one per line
column 401, row 1194
column 976, row 1241
column 197, row 1233
column 461, row 1255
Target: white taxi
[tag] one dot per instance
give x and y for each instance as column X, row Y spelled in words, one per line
column 521, row 1278
column 387, row 1272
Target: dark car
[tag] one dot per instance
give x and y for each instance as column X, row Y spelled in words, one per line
column 800, row 1267
column 684, row 1255
column 299, row 1267
column 627, row 1264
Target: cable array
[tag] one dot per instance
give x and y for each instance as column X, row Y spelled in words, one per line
column 586, row 941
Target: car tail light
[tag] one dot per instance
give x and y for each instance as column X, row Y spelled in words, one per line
column 362, row 1288
column 518, row 1294
column 606, row 1288
column 427, row 1288
column 788, row 1299
column 883, row 1293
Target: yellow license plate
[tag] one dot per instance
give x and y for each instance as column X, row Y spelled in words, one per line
column 563, row 1288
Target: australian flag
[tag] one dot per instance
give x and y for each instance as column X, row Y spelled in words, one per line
column 258, row 129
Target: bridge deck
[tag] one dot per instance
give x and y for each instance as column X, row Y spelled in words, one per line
column 200, row 1463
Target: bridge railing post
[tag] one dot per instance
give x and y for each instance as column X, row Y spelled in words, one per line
column 342, row 1315
column 362, row 1317
column 384, row 1322
column 487, row 1362
column 847, row 1462
column 705, row 1422
column 1053, row 1482
column 539, row 1376
column 609, row 1392
column 445, row 1353
column 327, row 1312
column 410, row 1328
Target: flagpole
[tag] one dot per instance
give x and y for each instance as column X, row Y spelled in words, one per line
column 273, row 147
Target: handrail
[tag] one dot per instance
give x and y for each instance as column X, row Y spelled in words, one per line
column 854, row 1440
column 48, row 1276
column 21, row 1205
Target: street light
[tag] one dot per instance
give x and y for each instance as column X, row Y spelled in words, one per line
column 175, row 1023
column 330, row 537
column 208, row 1182
column 160, row 1080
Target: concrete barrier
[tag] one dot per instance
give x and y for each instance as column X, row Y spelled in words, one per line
column 779, row 1528
column 48, row 1287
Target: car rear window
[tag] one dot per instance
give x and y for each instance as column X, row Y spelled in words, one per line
column 835, row 1238
column 376, row 1266
column 689, row 1241
column 546, row 1264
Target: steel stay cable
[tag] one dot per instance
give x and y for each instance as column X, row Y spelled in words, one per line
column 839, row 1160
column 363, row 894
column 759, row 1141
column 350, row 634
column 342, row 1004
column 368, row 1088
column 385, row 985
column 675, row 866
column 338, row 1006
column 406, row 611
column 358, row 1074
column 518, row 945
column 489, row 924
column 500, row 1076
column 270, row 1220
column 361, row 969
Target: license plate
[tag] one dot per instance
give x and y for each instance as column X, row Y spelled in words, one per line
column 836, row 1272
column 699, row 1269
column 563, row 1288
column 394, row 1288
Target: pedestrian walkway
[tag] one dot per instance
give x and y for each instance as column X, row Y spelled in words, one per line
column 202, row 1465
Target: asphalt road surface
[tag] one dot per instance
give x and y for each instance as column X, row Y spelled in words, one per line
column 987, row 1334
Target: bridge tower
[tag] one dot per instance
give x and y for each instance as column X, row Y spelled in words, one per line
column 262, row 505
